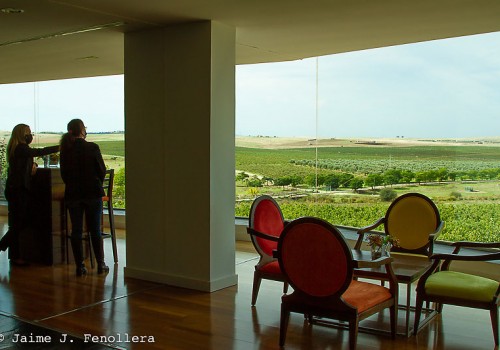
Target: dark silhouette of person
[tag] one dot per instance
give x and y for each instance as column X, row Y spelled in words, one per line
column 83, row 171
column 18, row 187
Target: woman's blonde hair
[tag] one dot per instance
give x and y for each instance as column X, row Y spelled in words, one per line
column 17, row 137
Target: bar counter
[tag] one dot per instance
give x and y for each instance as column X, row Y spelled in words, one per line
column 45, row 242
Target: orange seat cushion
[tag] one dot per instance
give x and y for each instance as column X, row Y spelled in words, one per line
column 363, row 295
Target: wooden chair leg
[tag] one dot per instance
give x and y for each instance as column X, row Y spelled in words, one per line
column 285, row 317
column 439, row 307
column 394, row 320
column 494, row 323
column 285, row 287
column 256, row 285
column 353, row 333
column 418, row 311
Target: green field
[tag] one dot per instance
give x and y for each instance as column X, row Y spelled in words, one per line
column 277, row 162
column 469, row 204
column 112, row 147
column 113, row 151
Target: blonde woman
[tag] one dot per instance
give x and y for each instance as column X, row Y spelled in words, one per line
column 18, row 187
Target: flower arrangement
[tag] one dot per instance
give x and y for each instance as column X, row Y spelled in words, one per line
column 380, row 240
column 381, row 244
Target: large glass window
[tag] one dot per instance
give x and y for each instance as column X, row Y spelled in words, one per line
column 48, row 106
column 341, row 136
column 336, row 137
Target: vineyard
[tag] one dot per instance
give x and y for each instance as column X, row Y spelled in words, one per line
column 301, row 161
column 464, row 221
column 463, row 181
column 366, row 166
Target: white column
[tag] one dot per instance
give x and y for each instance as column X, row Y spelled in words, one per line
column 179, row 142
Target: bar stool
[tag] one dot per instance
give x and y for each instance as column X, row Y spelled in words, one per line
column 108, row 199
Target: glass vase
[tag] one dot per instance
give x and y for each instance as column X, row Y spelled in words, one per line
column 378, row 251
column 386, row 249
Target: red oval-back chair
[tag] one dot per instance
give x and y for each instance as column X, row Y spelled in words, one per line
column 265, row 226
column 318, row 264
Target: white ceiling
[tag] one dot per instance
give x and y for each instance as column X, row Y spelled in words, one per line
column 49, row 40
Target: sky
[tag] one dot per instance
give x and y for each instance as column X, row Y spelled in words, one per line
column 439, row 89
column 50, row 105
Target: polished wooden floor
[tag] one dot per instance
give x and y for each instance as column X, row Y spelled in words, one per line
column 54, row 298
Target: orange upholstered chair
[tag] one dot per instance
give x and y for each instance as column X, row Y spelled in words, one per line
column 414, row 220
column 265, row 226
column 318, row 264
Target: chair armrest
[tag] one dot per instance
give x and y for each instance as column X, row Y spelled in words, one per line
column 361, row 231
column 476, row 257
column 467, row 244
column 376, row 224
column 433, row 236
column 256, row 233
column 437, row 232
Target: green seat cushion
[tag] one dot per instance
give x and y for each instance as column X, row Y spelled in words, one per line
column 461, row 285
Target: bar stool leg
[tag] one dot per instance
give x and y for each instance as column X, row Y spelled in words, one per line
column 112, row 230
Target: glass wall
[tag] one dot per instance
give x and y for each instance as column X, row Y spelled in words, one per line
column 48, row 106
column 341, row 136
column 337, row 137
